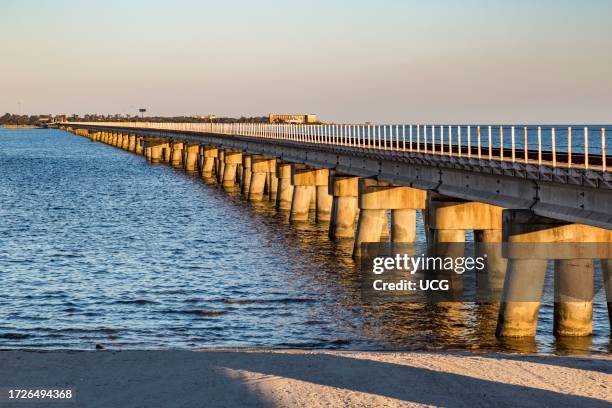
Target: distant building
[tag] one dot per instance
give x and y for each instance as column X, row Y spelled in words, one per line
column 286, row 118
column 206, row 117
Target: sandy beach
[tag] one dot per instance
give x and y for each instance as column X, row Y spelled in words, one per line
column 261, row 378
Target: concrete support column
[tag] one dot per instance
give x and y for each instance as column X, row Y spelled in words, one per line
column 324, row 200
column 167, row 154
column 191, row 157
column 239, row 174
column 344, row 190
column 156, row 155
column 403, row 225
column 324, row 203
column 300, row 203
column 220, row 165
column 606, row 271
column 369, row 227
column 139, row 143
column 313, row 199
column 527, row 266
column 490, row 281
column 147, row 153
column 272, row 181
column 573, row 314
column 125, row 141
column 231, row 159
column 375, row 198
column 209, row 155
column 176, row 156
column 284, row 194
column 246, row 174
column 132, row 143
column 304, row 187
column 260, row 168
column 520, row 302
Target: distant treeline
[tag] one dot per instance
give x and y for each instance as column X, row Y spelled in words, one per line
column 23, row 120
column 37, row 120
column 167, row 119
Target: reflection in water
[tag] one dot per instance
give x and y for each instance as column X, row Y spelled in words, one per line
column 97, row 246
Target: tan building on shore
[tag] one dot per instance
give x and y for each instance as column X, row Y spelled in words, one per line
column 289, row 118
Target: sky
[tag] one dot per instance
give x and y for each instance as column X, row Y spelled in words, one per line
column 384, row 61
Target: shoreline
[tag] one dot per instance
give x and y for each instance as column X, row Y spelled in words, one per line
column 265, row 377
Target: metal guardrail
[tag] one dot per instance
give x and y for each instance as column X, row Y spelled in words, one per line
column 515, row 144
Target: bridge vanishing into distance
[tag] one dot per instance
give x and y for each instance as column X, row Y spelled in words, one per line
column 497, row 182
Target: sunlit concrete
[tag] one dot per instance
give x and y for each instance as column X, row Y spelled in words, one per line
column 525, row 277
column 375, row 199
column 344, row 190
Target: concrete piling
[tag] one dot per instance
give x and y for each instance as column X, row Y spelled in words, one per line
column 190, row 152
column 403, row 225
column 573, row 312
column 220, row 165
column 284, row 194
column 300, row 203
column 156, row 155
column 167, row 154
column 132, row 143
column 246, row 174
column 606, row 271
column 176, row 156
column 260, row 168
column 303, row 180
column 272, row 181
column 324, row 200
column 369, row 228
column 125, row 141
column 490, row 281
column 208, row 156
column 344, row 190
column 231, row 159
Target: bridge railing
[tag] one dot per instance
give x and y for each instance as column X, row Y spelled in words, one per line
column 583, row 147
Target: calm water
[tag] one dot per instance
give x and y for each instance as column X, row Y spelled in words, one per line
column 97, row 246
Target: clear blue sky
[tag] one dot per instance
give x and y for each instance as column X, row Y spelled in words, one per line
column 382, row 61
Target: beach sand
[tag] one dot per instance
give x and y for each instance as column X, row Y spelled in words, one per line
column 239, row 377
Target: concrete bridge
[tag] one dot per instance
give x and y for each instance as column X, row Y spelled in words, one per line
column 462, row 177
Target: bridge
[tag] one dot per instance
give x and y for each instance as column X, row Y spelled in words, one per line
column 511, row 184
